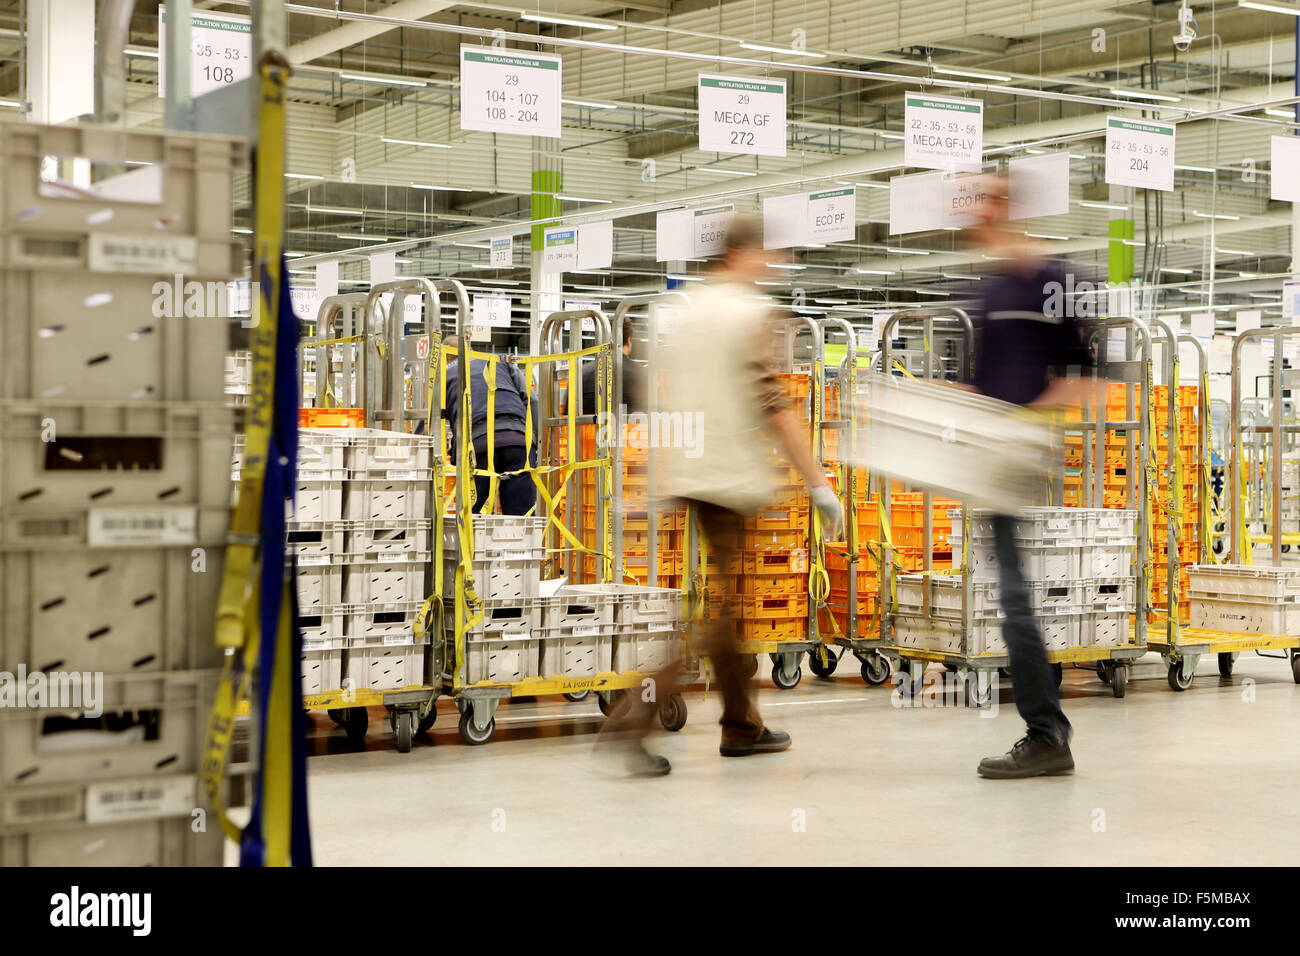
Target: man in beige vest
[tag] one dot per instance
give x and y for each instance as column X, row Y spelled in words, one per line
column 716, row 371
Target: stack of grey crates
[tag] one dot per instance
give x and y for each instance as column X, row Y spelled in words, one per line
column 359, row 530
column 114, row 501
column 579, row 631
column 1078, row 564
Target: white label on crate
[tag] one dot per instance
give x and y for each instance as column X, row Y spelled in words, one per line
column 138, row 800
column 312, row 560
column 396, row 639
column 509, row 91
column 142, row 255
column 661, row 626
column 517, row 556
column 119, row 526
column 1139, row 153
column 394, row 475
column 313, row 475
column 742, row 114
column 315, row 645
column 586, row 630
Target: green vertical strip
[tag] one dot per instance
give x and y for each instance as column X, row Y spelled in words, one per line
column 546, row 183
column 1120, row 268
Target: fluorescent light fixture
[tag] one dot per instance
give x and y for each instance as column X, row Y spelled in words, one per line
column 1181, row 272
column 12, row 104
column 383, row 79
column 679, row 278
column 294, row 255
column 139, row 51
column 1094, row 204
column 334, row 211
column 783, row 50
column 1237, row 252
column 874, row 272
column 1284, row 114
column 363, row 238
column 1216, row 215
column 242, row 231
column 1247, row 275
column 301, row 176
column 719, row 171
column 1144, row 95
column 582, row 199
column 1133, row 242
column 1263, row 295
column 885, row 134
column 831, row 301
column 1195, row 169
column 872, row 185
column 473, row 245
column 503, row 281
column 413, row 142
column 567, row 21
column 974, row 74
column 794, row 266
column 954, row 275
column 591, row 104
column 441, row 189
column 1045, row 235
column 900, row 251
column 769, row 282
column 1272, row 6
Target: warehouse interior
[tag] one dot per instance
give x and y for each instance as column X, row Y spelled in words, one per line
column 242, row 261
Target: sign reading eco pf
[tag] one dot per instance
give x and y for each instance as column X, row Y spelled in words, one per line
column 943, row 132
column 740, row 114
column 502, row 91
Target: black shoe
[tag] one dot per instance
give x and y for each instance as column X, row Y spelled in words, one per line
column 642, row 763
column 769, row 741
column 1032, row 756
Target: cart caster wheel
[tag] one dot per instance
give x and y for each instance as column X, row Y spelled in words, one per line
column 611, row 703
column 1057, row 673
column 749, row 666
column 339, row 716
column 875, row 669
column 356, row 720
column 1104, row 671
column 1177, row 680
column 817, row 667
column 1119, row 680
column 425, row 724
column 1286, row 549
column 1295, row 667
column 1225, row 665
column 786, row 681
column 974, row 697
column 580, row 695
column 404, row 726
column 672, row 713
column 473, row 735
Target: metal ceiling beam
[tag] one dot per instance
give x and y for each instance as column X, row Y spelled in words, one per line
column 358, row 31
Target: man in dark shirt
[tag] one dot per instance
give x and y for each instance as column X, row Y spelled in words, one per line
column 633, row 379
column 515, row 486
column 1026, row 332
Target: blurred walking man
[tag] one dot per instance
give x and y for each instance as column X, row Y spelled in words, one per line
column 1026, row 333
column 716, row 370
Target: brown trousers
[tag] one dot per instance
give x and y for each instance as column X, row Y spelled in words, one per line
column 741, row 723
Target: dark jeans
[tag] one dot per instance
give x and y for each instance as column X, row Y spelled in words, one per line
column 1032, row 678
column 741, row 723
column 517, row 493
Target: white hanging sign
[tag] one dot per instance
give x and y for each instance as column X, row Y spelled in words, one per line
column 560, row 249
column 1139, row 153
column 673, row 236
column 1248, row 319
column 963, row 198
column 1039, row 185
column 1284, row 170
column 785, row 221
column 508, row 91
column 833, row 215
column 596, row 245
column 221, row 51
column 915, row 203
column 710, row 229
column 943, row 132
column 1290, row 298
column 740, row 114
column 492, row 311
column 503, row 252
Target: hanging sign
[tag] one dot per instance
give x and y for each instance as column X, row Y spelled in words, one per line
column 740, row 114
column 943, row 132
column 1139, row 153
column 508, row 91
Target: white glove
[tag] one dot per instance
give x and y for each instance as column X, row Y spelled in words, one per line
column 832, row 512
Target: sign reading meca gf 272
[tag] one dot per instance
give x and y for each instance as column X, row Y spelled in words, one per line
column 740, row 114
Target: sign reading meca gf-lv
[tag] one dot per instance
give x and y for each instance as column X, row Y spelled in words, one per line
column 740, row 114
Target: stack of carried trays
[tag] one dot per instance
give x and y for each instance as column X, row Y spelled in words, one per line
column 1078, row 564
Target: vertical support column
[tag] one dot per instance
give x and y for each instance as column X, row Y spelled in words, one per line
column 546, row 296
column 180, row 103
column 61, row 59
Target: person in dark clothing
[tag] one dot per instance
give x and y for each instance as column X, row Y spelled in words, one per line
column 515, row 487
column 633, row 379
column 1029, row 352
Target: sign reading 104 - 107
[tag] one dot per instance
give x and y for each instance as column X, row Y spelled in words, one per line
column 1139, row 153
column 505, row 91
column 741, row 114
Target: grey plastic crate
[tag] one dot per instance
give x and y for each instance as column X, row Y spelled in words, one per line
column 372, row 584
column 570, row 607
column 372, row 453
column 385, row 501
column 317, row 542
column 646, row 647
column 322, row 669
column 637, row 604
column 109, row 610
column 158, row 842
column 384, row 665
column 390, row 541
column 495, row 533
column 504, row 646
column 78, row 473
column 383, row 623
column 577, row 650
column 501, row 575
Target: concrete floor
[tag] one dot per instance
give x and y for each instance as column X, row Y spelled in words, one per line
column 1208, row 776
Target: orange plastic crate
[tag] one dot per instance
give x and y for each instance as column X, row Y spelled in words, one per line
column 773, row 629
column 778, row 518
column 331, row 418
column 791, row 561
column 784, row 540
column 793, row 583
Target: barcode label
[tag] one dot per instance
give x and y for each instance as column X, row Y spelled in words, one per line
column 313, row 475
column 312, row 560
column 50, row 806
column 150, row 255
column 135, row 800
column 661, row 626
column 402, row 475
column 314, row 645
column 586, row 630
column 1116, row 607
column 397, row 639
column 517, row 556
column 119, row 526
column 1057, row 524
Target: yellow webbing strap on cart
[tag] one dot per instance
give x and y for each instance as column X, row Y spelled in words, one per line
column 1245, row 545
column 1152, row 482
column 1205, row 500
column 1174, row 500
